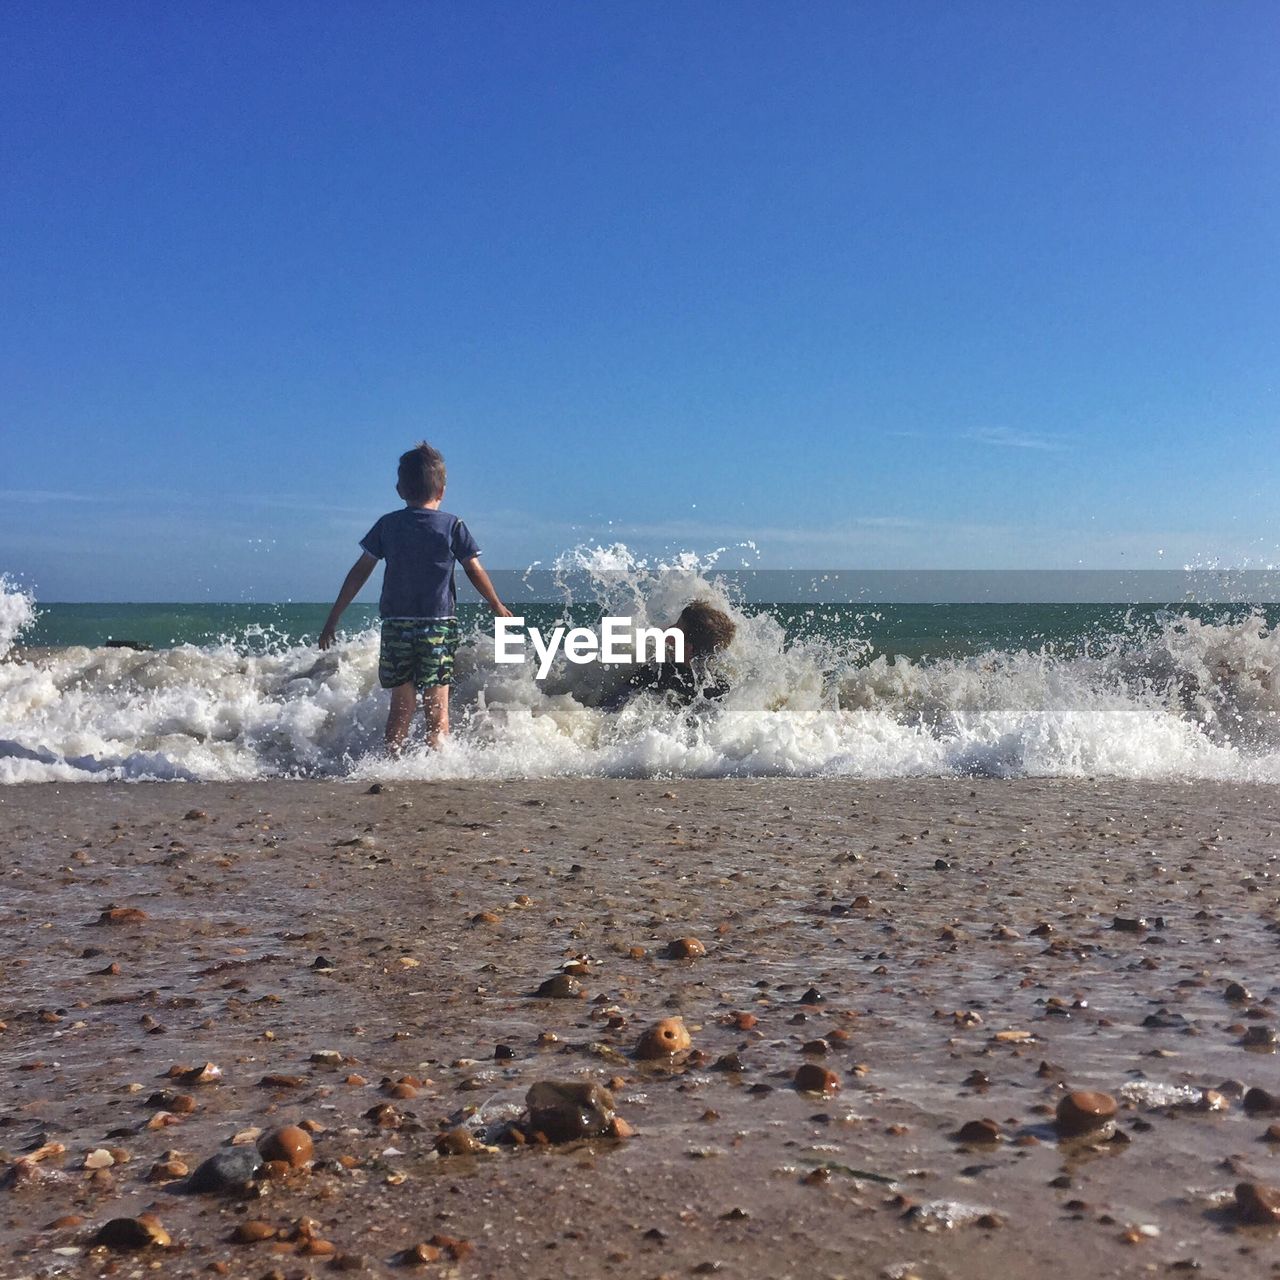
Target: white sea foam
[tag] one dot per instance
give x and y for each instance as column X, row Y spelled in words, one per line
column 1193, row 699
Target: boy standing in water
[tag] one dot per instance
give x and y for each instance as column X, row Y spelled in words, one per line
column 421, row 544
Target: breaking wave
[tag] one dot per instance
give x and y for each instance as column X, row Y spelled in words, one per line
column 1185, row 697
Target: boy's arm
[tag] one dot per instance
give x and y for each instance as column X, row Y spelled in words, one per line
column 356, row 577
column 480, row 580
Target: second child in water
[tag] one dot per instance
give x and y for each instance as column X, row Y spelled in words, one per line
column 421, row 545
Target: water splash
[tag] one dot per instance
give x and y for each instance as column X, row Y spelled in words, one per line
column 1180, row 697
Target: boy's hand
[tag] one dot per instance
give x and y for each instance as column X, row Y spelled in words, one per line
column 501, row 611
column 327, row 636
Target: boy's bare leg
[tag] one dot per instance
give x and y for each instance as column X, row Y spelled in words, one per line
column 404, row 700
column 435, row 704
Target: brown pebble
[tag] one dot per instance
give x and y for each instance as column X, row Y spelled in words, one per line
column 402, row 1090
column 458, row 1142
column 811, row 1078
column 122, row 915
column 1085, row 1111
column 1257, row 1204
column 663, row 1039
column 744, row 1021
column 253, row 1232
column 978, row 1131
column 685, row 949
column 167, row 1171
column 290, row 1144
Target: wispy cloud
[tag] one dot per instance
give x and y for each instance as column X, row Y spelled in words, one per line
column 37, row 496
column 1009, row 438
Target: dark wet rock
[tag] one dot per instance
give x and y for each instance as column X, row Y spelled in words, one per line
column 978, row 1131
column 728, row 1062
column 563, row 986
column 664, row 1039
column 1085, row 1111
column 1237, row 993
column 504, row 1052
column 567, row 1110
column 1129, row 924
column 322, row 964
column 127, row 1234
column 289, row 1144
column 1257, row 1204
column 1259, row 1038
column 811, row 1078
column 226, row 1171
column 812, row 996
column 1261, row 1102
column 1164, row 1020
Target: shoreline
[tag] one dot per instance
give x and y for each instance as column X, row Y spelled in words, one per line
column 908, row 905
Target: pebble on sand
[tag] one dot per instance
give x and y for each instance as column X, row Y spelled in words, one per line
column 1257, row 1204
column 289, row 1143
column 685, row 949
column 1260, row 1101
column 226, row 1171
column 664, row 1039
column 978, row 1131
column 562, row 987
column 127, row 1234
column 1085, row 1111
column 811, row 1078
column 459, row 1142
column 122, row 915
column 567, row 1110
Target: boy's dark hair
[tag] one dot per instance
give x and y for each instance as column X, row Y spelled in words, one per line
column 706, row 629
column 421, row 474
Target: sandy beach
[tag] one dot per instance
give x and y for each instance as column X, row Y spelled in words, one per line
column 363, row 964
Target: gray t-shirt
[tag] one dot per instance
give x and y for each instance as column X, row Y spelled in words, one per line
column 420, row 548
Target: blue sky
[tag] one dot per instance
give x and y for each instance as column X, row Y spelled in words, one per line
column 871, row 285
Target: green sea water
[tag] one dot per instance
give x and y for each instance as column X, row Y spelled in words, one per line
column 910, row 630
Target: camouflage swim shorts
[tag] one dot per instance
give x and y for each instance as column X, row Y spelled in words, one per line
column 417, row 650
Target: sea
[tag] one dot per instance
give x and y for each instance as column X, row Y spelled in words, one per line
column 859, row 688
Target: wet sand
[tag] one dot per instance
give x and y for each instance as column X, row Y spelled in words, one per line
column 951, row 950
